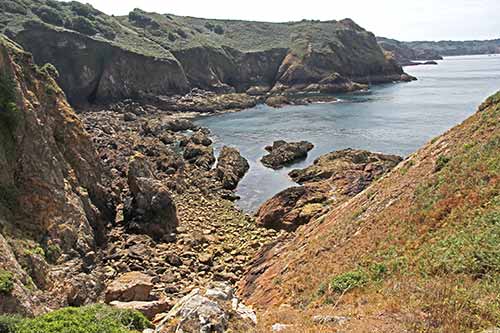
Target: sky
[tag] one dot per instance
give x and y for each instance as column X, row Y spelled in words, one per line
column 401, row 19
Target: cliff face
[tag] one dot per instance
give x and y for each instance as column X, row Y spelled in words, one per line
column 102, row 58
column 417, row 250
column 52, row 204
column 92, row 70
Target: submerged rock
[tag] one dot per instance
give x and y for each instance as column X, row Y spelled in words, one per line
column 282, row 153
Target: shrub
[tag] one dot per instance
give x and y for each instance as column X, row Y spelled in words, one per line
column 12, row 7
column 219, row 30
column 52, row 253
column 347, row 281
column 6, row 282
column 50, row 70
column 35, row 251
column 140, row 19
column 209, row 26
column 171, row 37
column 378, row 271
column 53, row 3
column 8, row 323
column 94, row 318
column 49, row 15
column 441, row 162
column 9, row 115
column 83, row 9
column 82, row 25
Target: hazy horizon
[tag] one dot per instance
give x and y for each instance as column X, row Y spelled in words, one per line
column 412, row 21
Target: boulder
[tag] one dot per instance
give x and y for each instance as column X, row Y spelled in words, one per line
column 199, row 155
column 201, row 138
column 150, row 208
column 215, row 309
column 178, row 125
column 277, row 101
column 129, row 116
column 149, row 309
column 282, row 153
column 231, row 167
column 131, row 286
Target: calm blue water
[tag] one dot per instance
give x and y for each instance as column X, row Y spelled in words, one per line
column 394, row 118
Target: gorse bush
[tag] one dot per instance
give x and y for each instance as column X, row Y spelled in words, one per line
column 82, row 25
column 349, row 280
column 88, row 319
column 441, row 162
column 6, row 282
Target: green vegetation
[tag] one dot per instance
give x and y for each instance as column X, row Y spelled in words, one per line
column 88, row 319
column 8, row 323
column 52, row 253
column 473, row 249
column 82, row 25
column 347, row 281
column 49, row 15
column 50, row 70
column 38, row 250
column 9, row 120
column 6, row 282
column 441, row 162
column 8, row 109
column 13, row 7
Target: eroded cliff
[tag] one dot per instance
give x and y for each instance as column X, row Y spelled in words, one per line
column 102, row 58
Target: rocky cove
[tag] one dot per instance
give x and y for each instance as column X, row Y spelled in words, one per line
column 198, row 159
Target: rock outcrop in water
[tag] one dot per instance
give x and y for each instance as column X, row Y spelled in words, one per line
column 283, row 153
column 142, row 55
column 330, row 181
